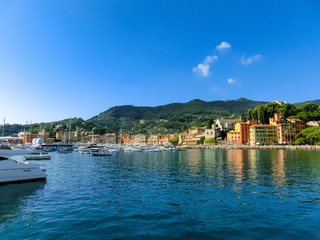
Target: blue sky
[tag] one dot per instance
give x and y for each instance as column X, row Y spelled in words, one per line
column 61, row 59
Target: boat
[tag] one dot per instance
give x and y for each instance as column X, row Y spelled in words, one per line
column 132, row 149
column 152, row 150
column 84, row 150
column 65, row 150
column 12, row 171
column 101, row 152
column 6, row 151
column 37, row 156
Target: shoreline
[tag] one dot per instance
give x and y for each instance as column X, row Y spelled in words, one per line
column 235, row 146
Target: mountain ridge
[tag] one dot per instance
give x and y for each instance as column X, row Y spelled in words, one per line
column 171, row 117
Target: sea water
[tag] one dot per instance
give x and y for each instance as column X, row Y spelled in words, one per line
column 193, row 194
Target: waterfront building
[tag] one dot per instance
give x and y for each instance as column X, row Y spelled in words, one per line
column 263, row 134
column 233, row 137
column 164, row 139
column 139, row 138
column 49, row 140
column 109, row 138
column 197, row 130
column 153, row 139
column 191, row 139
column 225, row 124
column 287, row 129
column 126, row 139
column 64, row 136
column 241, row 133
column 93, row 139
column 27, row 137
column 243, row 129
column 214, row 132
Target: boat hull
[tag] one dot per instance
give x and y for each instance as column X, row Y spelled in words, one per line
column 16, row 172
column 37, row 157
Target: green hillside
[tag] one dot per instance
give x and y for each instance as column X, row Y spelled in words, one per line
column 317, row 102
column 169, row 118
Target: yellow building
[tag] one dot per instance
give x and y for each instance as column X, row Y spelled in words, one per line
column 197, row 130
column 233, row 137
column 153, row 139
column 263, row 134
column 139, row 138
column 64, row 137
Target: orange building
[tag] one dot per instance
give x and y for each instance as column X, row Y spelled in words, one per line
column 241, row 133
column 126, row 139
column 27, row 137
column 164, row 139
column 243, row 129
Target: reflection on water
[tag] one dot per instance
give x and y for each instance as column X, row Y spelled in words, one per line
column 14, row 196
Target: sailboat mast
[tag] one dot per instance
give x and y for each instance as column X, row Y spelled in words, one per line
column 4, row 121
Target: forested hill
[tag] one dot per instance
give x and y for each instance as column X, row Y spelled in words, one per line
column 169, row 118
column 317, row 102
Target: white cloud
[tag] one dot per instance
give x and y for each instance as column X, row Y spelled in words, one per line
column 203, row 68
column 231, row 81
column 249, row 60
column 223, row 45
column 209, row 59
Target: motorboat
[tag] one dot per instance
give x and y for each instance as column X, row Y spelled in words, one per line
column 132, row 149
column 6, row 151
column 37, row 156
column 152, row 150
column 101, row 152
column 84, row 150
column 12, row 171
column 64, row 150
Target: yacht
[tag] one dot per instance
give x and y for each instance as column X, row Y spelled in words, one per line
column 12, row 171
column 101, row 152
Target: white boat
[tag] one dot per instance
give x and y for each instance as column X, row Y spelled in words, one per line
column 132, row 149
column 101, row 152
column 84, row 150
column 64, row 150
column 153, row 150
column 12, row 171
column 37, row 156
column 6, row 151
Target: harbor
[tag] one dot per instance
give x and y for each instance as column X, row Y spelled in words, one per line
column 169, row 194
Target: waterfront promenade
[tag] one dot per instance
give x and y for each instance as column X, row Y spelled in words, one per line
column 243, row 146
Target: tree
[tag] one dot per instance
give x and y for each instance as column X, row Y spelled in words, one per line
column 287, row 110
column 201, row 141
column 209, row 123
column 250, row 115
column 174, row 141
column 300, row 141
column 307, row 107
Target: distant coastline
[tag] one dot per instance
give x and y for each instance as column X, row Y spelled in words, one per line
column 237, row 146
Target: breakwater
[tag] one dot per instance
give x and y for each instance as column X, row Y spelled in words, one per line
column 237, row 146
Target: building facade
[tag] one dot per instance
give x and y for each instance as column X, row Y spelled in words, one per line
column 263, row 134
column 225, row 124
column 287, row 129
